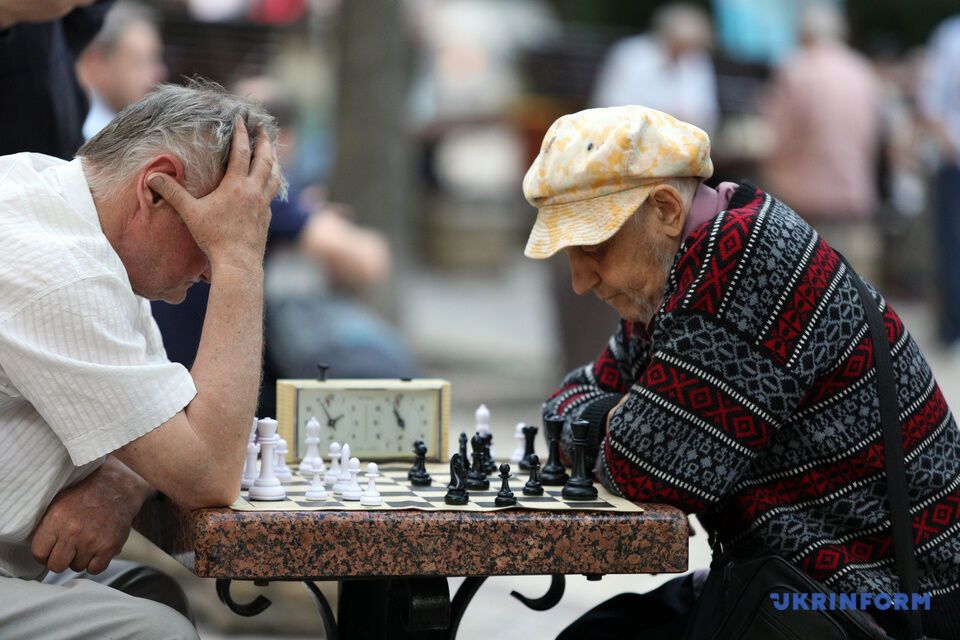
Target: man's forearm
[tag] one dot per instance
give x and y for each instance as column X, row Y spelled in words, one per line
column 226, row 371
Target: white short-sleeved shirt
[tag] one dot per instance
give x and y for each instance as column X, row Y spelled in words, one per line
column 82, row 366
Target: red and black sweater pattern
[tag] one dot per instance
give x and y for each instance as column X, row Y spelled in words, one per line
column 751, row 402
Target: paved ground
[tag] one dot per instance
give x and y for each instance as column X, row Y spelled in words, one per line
column 494, row 338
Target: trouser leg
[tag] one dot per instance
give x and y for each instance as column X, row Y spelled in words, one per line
column 946, row 213
column 81, row 608
column 660, row 614
column 133, row 579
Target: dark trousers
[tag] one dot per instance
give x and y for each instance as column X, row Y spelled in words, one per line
column 946, row 214
column 660, row 614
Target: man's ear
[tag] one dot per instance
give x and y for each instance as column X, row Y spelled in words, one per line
column 149, row 199
column 668, row 209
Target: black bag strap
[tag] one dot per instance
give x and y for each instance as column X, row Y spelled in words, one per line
column 904, row 552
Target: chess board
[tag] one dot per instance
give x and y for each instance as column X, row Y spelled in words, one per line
column 398, row 493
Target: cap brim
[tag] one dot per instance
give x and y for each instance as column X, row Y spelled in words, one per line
column 584, row 222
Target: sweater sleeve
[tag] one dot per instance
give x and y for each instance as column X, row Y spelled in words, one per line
column 707, row 402
column 590, row 391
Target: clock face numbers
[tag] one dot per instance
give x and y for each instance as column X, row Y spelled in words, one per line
column 380, row 421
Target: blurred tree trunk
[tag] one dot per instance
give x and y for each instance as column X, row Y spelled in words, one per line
column 372, row 168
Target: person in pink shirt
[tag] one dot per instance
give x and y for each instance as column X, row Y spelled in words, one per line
column 823, row 112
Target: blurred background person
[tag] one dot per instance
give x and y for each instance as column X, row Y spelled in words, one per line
column 121, row 64
column 823, row 112
column 318, row 265
column 43, row 106
column 668, row 69
column 939, row 99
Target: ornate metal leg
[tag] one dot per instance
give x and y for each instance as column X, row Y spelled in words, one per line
column 547, row 600
column 258, row 605
column 461, row 599
column 330, row 631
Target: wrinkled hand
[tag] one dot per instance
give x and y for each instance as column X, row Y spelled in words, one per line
column 86, row 525
column 230, row 223
column 14, row 11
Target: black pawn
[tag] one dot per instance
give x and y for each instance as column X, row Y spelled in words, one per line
column 505, row 497
column 533, row 486
column 553, row 473
column 415, row 469
column 457, row 489
column 580, row 485
column 529, row 435
column 420, row 476
column 463, row 449
column 489, row 464
column 476, row 478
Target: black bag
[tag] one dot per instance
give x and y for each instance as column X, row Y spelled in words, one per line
column 736, row 600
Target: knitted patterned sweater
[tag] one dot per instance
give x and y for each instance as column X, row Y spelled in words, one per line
column 752, row 403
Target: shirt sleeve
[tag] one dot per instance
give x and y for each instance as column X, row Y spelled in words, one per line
column 688, row 430
column 86, row 358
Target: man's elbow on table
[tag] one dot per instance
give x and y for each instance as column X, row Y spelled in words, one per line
column 194, row 468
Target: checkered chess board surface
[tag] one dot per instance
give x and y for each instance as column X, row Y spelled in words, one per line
column 398, row 493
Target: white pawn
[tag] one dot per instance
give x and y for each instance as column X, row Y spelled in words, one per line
column 333, row 473
column 352, row 491
column 482, row 418
column 371, row 497
column 312, row 458
column 517, row 454
column 343, row 480
column 267, row 486
column 250, row 467
column 316, row 491
column 283, row 471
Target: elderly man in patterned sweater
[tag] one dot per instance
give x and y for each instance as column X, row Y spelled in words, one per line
column 739, row 385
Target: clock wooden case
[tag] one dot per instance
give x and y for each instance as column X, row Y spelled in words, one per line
column 380, row 419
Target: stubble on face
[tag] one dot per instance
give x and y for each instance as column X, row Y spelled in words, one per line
column 662, row 257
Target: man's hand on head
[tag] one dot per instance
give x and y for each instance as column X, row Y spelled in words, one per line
column 87, row 524
column 230, row 223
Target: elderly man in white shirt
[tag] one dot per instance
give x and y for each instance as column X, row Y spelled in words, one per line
column 93, row 417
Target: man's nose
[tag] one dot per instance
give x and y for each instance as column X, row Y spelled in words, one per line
column 583, row 275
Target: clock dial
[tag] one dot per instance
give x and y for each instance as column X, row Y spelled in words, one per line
column 374, row 421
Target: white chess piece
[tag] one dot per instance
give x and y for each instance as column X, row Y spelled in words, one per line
column 333, row 473
column 371, row 497
column 250, row 467
column 343, row 481
column 267, row 486
column 482, row 419
column 517, row 454
column 283, row 471
column 316, row 491
column 312, row 458
column 352, row 491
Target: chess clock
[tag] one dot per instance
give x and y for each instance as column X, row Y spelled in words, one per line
column 381, row 419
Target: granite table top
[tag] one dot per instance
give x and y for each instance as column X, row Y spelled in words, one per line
column 296, row 545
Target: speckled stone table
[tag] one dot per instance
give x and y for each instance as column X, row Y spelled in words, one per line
column 393, row 564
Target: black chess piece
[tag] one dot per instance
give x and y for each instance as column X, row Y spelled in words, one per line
column 415, row 469
column 457, row 489
column 420, row 477
column 463, row 449
column 489, row 464
column 580, row 485
column 505, row 497
column 529, row 436
column 553, row 473
column 476, row 478
column 533, row 486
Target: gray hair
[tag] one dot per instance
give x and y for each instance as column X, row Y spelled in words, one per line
column 122, row 15
column 194, row 123
column 686, row 187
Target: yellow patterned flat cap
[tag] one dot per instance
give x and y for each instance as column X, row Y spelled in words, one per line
column 596, row 167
